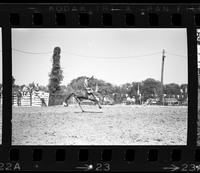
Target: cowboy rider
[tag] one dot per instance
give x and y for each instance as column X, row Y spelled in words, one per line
column 89, row 90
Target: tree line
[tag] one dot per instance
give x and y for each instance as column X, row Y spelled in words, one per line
column 149, row 88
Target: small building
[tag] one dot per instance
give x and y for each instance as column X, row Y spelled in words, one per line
column 171, row 101
column 152, row 101
column 129, row 101
column 107, row 100
column 185, row 102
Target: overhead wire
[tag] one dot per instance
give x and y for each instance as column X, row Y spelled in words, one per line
column 174, row 54
column 28, row 52
column 98, row 57
column 88, row 56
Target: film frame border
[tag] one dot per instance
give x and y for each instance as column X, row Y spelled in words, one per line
column 153, row 157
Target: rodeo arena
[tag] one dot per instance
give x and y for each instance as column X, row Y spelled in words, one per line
column 132, row 122
column 97, row 117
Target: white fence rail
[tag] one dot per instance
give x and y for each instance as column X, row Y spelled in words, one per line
column 27, row 100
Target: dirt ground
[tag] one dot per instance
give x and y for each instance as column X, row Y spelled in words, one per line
column 113, row 125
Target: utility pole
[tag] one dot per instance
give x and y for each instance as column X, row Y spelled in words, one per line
column 162, row 70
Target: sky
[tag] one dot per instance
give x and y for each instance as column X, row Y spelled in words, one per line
column 117, row 56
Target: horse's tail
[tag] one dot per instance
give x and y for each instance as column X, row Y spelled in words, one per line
column 65, row 103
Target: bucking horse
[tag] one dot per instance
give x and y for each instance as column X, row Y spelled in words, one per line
column 95, row 97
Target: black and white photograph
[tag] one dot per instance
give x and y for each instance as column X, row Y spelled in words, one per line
column 198, row 56
column 99, row 86
column 1, row 73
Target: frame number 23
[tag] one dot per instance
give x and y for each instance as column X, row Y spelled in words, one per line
column 102, row 167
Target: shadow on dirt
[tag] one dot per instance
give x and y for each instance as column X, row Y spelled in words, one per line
column 88, row 112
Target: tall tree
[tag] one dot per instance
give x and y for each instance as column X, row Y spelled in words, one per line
column 56, row 75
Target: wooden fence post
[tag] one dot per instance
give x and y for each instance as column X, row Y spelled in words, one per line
column 30, row 98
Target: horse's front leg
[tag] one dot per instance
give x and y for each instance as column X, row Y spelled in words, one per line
column 79, row 103
column 96, row 101
column 65, row 103
column 99, row 105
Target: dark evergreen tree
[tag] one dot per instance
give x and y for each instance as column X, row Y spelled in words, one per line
column 56, row 75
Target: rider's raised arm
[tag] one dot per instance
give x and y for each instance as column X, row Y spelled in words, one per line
column 85, row 83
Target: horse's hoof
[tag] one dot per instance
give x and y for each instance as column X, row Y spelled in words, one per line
column 65, row 104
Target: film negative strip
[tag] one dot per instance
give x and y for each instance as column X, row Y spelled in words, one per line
column 100, row 87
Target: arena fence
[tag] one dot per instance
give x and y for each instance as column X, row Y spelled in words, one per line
column 31, row 100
